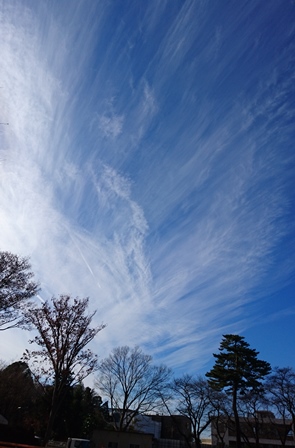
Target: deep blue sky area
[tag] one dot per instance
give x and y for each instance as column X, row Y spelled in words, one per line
column 149, row 165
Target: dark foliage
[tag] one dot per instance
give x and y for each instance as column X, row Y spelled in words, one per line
column 17, row 393
column 81, row 412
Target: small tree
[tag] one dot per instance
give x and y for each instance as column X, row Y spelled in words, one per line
column 280, row 387
column 237, row 370
column 132, row 383
column 251, row 405
column 221, row 411
column 16, row 287
column 192, row 398
column 63, row 329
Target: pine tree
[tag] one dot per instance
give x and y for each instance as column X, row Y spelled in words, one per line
column 236, row 371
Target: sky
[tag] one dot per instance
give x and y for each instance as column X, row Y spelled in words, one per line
column 148, row 164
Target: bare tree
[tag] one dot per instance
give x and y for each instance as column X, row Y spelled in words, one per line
column 63, row 328
column 192, row 398
column 16, row 287
column 221, row 416
column 132, row 383
column 252, row 407
column 280, row 387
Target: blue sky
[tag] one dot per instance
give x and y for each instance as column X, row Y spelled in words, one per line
column 149, row 164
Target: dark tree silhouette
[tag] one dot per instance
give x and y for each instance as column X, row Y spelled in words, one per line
column 17, row 393
column 63, row 328
column 16, row 287
column 237, row 370
column 79, row 413
column 221, row 410
column 252, row 406
column 280, row 387
column 192, row 399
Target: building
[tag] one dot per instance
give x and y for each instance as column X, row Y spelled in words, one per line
column 169, row 431
column 148, row 424
column 148, row 431
column 263, row 430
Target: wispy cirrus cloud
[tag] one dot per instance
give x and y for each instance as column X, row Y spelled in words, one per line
column 142, row 168
column 110, row 126
column 45, row 194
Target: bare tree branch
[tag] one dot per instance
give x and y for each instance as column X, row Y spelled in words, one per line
column 132, row 383
column 16, row 288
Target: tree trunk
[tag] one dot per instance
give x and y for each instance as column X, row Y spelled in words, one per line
column 293, row 426
column 237, row 420
column 196, row 438
column 198, row 442
column 49, row 427
column 56, row 401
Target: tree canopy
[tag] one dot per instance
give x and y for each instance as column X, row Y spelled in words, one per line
column 16, row 287
column 63, row 332
column 192, row 398
column 237, row 366
column 132, row 383
column 17, row 392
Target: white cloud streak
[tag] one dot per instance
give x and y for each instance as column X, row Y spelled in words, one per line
column 162, row 203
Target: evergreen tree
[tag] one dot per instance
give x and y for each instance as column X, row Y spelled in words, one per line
column 237, row 370
column 17, row 394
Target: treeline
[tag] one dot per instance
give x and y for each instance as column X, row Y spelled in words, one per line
column 44, row 394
